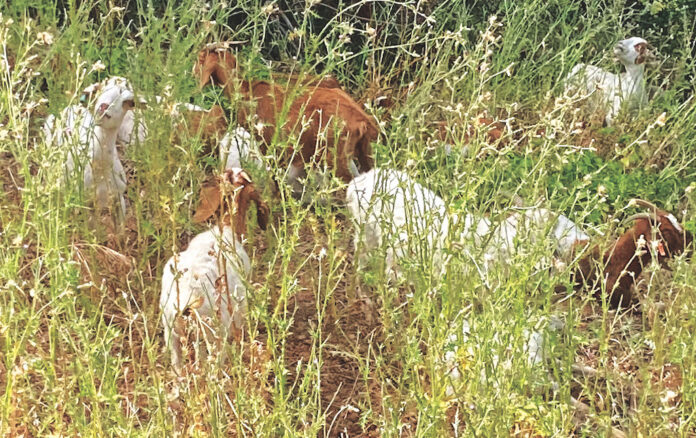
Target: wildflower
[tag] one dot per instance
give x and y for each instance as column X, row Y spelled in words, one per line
column 370, row 31
column 270, row 9
column 208, row 25
column 661, row 119
column 98, row 66
column 259, row 127
column 295, row 34
column 44, row 38
column 640, row 244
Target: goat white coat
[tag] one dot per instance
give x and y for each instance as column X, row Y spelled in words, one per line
column 389, row 207
column 609, row 91
column 194, row 278
column 95, row 155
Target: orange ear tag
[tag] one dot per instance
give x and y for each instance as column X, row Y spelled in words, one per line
column 661, row 249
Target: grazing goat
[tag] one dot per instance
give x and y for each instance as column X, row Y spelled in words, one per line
column 209, row 125
column 332, row 124
column 620, row 266
column 209, row 276
column 610, row 90
column 388, row 206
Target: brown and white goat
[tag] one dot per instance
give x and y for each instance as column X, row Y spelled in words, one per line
column 209, row 276
column 332, row 124
column 621, row 264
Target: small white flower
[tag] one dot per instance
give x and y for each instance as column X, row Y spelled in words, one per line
column 259, row 127
column 98, row 66
column 370, row 31
column 269, row 8
column 661, row 119
column 44, row 38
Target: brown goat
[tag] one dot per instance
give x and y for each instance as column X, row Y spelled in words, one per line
column 624, row 261
column 322, row 109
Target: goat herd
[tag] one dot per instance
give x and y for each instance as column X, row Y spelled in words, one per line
column 386, row 205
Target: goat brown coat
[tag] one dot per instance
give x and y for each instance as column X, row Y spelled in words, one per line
column 622, row 265
column 335, row 126
column 210, row 125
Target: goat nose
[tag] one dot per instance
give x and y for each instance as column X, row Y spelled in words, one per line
column 102, row 108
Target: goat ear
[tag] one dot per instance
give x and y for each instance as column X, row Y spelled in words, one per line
column 209, row 203
column 262, row 214
column 128, row 104
column 204, row 67
column 642, row 49
column 89, row 93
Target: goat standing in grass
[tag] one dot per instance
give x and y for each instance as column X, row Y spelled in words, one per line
column 92, row 138
column 209, row 277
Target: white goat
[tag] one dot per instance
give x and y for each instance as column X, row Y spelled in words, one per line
column 209, row 277
column 238, row 146
column 536, row 224
column 388, row 206
column 133, row 126
column 93, row 150
column 609, row 91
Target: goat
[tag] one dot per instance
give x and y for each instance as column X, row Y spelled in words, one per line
column 611, row 91
column 95, row 156
column 215, row 62
column 333, row 124
column 386, row 205
column 209, row 276
column 623, row 262
column 133, row 127
column 210, row 125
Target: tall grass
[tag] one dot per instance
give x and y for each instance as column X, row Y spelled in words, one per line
column 346, row 350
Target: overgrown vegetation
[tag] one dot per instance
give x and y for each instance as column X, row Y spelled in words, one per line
column 347, row 352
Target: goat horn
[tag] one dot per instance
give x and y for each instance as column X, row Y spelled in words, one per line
column 643, row 203
column 646, row 204
column 637, row 216
column 222, row 45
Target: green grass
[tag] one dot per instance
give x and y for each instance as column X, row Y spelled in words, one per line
column 81, row 345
